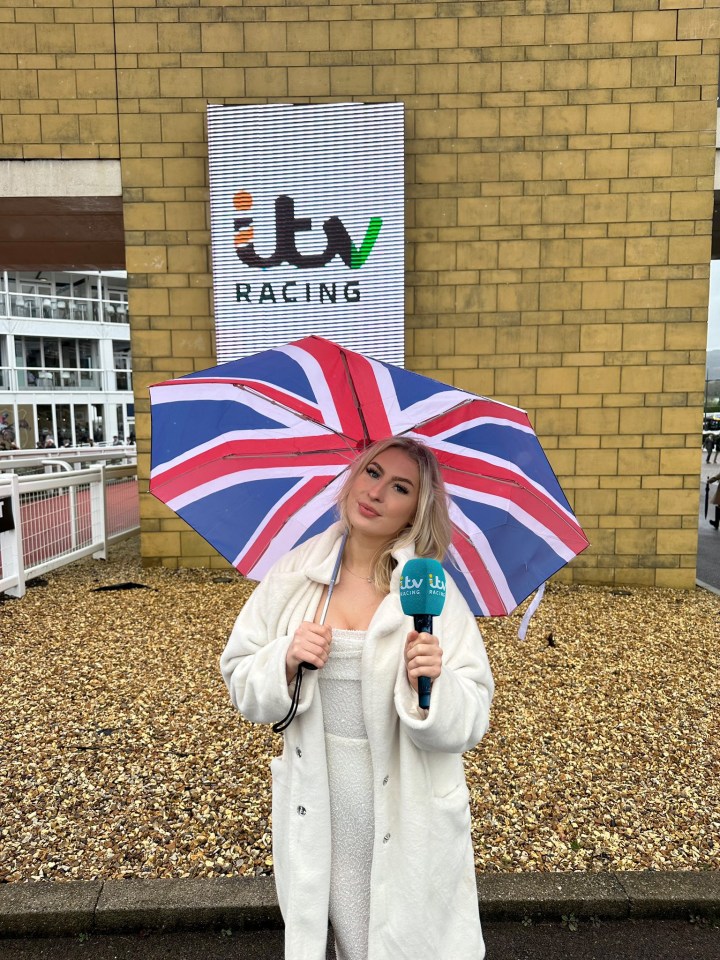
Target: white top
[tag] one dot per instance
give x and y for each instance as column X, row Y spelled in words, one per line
column 339, row 683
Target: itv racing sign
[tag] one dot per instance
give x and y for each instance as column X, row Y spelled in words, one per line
column 307, row 220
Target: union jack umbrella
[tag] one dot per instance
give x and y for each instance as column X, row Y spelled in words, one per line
column 252, row 454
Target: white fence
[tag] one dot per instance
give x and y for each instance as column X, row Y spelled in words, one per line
column 55, row 518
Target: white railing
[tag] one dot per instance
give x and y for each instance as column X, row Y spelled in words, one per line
column 56, row 518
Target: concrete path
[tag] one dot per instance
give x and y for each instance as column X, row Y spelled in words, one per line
column 129, row 906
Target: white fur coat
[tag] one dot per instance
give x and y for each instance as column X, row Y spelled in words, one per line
column 423, row 892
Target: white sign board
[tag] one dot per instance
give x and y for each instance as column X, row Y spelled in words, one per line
column 307, row 219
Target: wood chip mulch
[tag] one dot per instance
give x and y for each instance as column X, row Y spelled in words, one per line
column 122, row 756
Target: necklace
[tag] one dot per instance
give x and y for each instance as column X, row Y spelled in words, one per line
column 359, row 576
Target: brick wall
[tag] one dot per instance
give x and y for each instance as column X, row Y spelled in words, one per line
column 560, row 159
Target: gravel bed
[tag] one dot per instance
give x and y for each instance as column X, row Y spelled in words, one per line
column 122, row 756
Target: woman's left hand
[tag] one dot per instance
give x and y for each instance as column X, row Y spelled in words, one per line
column 423, row 657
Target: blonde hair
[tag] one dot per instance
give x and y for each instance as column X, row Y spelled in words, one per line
column 430, row 529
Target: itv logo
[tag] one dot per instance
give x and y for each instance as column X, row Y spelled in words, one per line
column 287, row 226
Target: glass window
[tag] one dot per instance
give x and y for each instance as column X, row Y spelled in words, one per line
column 82, row 430
column 86, row 353
column 51, row 348
column 69, row 354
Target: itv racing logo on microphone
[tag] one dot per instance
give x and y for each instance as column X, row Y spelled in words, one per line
column 337, row 244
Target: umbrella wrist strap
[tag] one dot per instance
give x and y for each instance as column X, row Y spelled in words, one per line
column 283, row 724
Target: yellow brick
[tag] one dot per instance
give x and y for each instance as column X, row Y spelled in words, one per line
column 637, row 502
column 564, row 120
column 150, row 343
column 477, row 256
column 519, row 75
column 393, row 34
column 527, row 165
column 475, row 298
column 559, row 338
column 562, row 209
column 19, row 37
column 313, row 36
column 161, row 544
column 635, row 541
column 563, row 29
column 640, row 462
column 608, row 118
column 20, row 129
column 560, row 296
column 147, row 259
column 607, row 163
column 565, row 75
column 610, row 27
column 565, row 165
column 677, row 541
column 186, row 216
column 654, row 25
column 56, row 38
column 521, row 121
column 605, row 208
column 646, row 250
column 60, row 129
column 309, row 81
column 520, row 209
column 599, row 380
column 602, row 252
column 477, row 340
column 136, row 37
column 181, row 37
column 643, row 379
column 436, row 33
column 686, row 336
column 519, row 254
column 437, row 78
column 677, row 502
column 478, row 123
column 266, row 82
column 138, row 83
column 555, row 422
column 557, row 380
column 684, row 378
column 351, row 35
column 560, row 253
column 646, row 293
column 598, row 421
column 183, row 128
column 608, row 74
column 602, row 296
column 653, row 117
column 648, row 206
column 515, row 380
column 692, row 70
column 434, row 342
column 479, row 76
column 479, row 381
column 57, row 84
column 643, row 336
column 600, row 336
column 514, row 297
column 687, row 293
column 263, row 37
column 438, row 168
column 148, row 302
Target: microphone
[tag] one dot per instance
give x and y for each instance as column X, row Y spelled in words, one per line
column 422, row 595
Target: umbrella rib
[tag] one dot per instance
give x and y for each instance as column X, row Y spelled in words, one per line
column 296, row 413
column 356, row 398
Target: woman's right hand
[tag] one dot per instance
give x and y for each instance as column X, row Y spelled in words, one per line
column 311, row 644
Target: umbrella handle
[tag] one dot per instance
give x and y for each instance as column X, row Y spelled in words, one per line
column 283, row 724
column 333, row 578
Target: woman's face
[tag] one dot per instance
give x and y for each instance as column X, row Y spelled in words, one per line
column 383, row 498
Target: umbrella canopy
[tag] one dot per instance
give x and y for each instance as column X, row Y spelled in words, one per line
column 252, row 454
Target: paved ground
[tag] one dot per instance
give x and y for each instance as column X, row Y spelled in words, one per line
column 708, row 563
column 603, row 940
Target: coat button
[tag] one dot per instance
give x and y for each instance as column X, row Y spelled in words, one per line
column 386, row 838
column 385, row 780
column 302, row 811
column 298, row 751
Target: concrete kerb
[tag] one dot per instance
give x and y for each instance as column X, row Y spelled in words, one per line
column 126, row 906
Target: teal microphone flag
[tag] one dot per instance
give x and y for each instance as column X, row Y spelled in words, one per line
column 422, row 596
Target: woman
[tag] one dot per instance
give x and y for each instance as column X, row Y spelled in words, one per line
column 371, row 821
